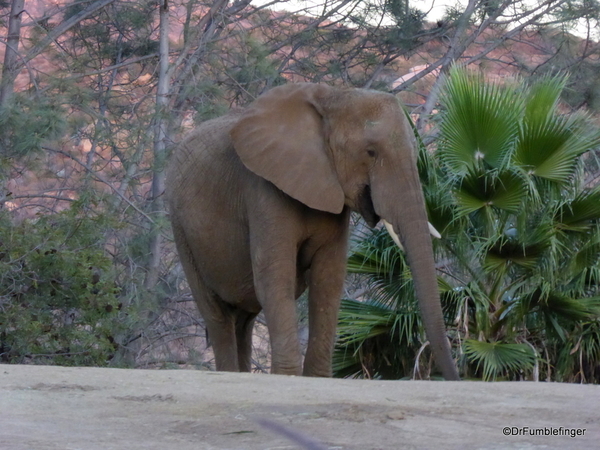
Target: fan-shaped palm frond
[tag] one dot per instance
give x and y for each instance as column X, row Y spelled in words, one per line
column 363, row 320
column 581, row 213
column 480, row 122
column 376, row 254
column 497, row 359
column 548, row 149
column 524, row 249
column 556, row 311
column 589, row 341
column 380, row 261
column 504, row 190
column 584, row 264
column 542, row 98
column 549, row 143
column 375, row 338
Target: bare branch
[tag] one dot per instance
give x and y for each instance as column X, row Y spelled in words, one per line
column 63, row 27
column 102, row 180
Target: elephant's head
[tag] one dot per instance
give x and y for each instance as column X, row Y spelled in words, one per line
column 329, row 147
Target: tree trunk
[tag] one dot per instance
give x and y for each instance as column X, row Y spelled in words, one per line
column 10, row 68
column 161, row 126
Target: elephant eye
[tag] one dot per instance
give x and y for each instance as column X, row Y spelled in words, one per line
column 372, row 153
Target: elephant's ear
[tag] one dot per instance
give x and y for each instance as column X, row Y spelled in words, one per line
column 281, row 137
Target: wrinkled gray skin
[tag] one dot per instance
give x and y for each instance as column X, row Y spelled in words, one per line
column 260, row 201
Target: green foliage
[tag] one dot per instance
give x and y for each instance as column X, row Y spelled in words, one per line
column 255, row 64
column 371, row 336
column 58, row 299
column 379, row 337
column 479, row 124
column 408, row 23
column 26, row 123
column 206, row 98
column 497, row 359
column 115, row 33
column 498, row 189
column 521, row 242
column 75, row 8
column 525, row 254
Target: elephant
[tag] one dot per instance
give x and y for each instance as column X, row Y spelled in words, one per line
column 260, row 201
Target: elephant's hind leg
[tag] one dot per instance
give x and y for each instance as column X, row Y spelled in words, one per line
column 220, row 320
column 244, row 328
column 219, row 317
column 221, row 334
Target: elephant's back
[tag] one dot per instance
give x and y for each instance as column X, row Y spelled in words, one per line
column 201, row 153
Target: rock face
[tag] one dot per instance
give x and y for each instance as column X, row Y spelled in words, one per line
column 49, row 407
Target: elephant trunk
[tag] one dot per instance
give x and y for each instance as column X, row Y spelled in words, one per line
column 405, row 210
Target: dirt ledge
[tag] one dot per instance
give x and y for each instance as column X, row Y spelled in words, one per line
column 49, row 407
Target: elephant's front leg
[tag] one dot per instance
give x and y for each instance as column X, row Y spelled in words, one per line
column 327, row 275
column 274, row 268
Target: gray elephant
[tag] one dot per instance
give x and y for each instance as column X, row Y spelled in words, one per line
column 260, row 201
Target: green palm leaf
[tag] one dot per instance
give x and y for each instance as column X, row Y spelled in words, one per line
column 498, row 358
column 376, row 254
column 366, row 329
column 479, row 122
column 549, row 148
column 590, row 340
column 380, row 261
column 580, row 213
column 585, row 262
column 504, row 190
column 359, row 321
column 525, row 246
column 549, row 143
column 542, row 98
column 556, row 306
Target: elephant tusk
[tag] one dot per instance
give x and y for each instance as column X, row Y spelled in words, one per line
column 390, row 229
column 435, row 233
column 392, row 233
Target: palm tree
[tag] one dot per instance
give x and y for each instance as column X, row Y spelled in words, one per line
column 520, row 271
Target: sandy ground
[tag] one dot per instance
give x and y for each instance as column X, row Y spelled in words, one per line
column 44, row 407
